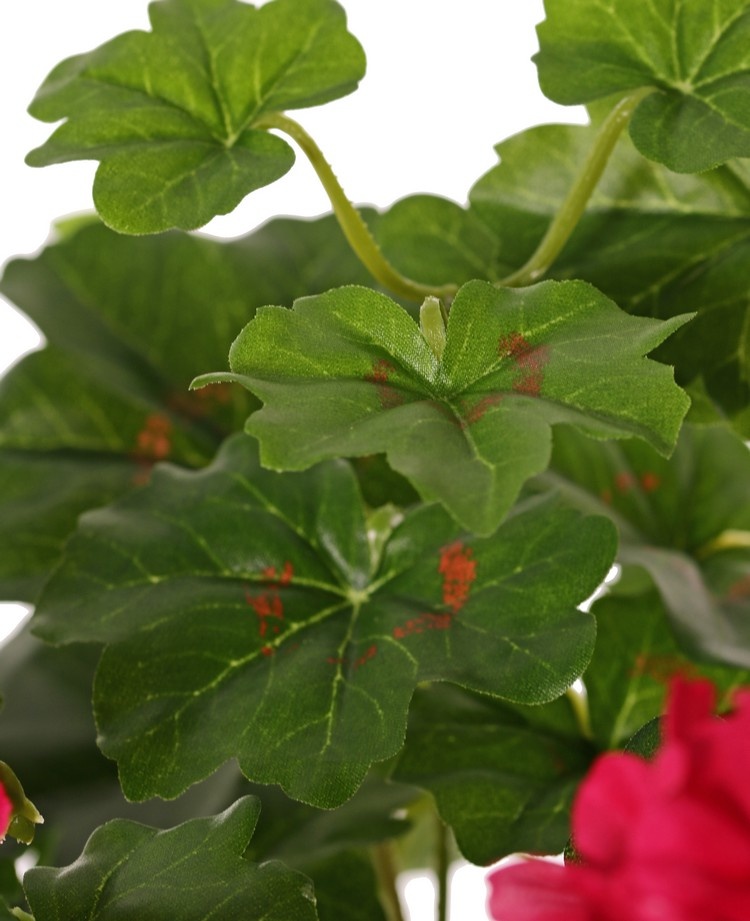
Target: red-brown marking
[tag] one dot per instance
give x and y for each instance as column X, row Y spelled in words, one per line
column 662, row 669
column 530, row 360
column 422, row 623
column 650, row 482
column 154, row 441
column 474, row 413
column 199, row 403
column 624, row 482
column 606, row 496
column 268, row 604
column 379, row 375
column 369, row 653
column 458, row 570
column 267, row 651
column 738, row 591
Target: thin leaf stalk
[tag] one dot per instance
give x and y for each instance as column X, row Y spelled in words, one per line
column 567, row 218
column 386, row 874
column 350, row 220
column 442, row 867
column 580, row 706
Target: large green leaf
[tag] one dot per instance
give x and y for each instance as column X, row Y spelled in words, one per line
column 173, row 114
column 636, row 657
column 130, row 321
column 657, row 243
column 346, row 887
column 349, row 373
column 500, row 780
column 685, row 521
column 189, row 873
column 696, row 55
column 245, row 615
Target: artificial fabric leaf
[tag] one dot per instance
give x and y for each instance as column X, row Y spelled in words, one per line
column 129, row 321
column 243, row 618
column 635, row 658
column 686, row 521
column 502, row 783
column 696, row 56
column 657, row 243
column 174, row 114
column 349, row 373
column 189, row 873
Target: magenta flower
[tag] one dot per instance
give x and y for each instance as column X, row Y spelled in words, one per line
column 665, row 840
column 6, row 811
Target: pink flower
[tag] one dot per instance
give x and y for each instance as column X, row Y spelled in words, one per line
column 665, row 840
column 6, row 811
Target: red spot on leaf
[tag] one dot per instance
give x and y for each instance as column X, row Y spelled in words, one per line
column 624, row 482
column 422, row 623
column 650, row 482
column 662, row 669
column 530, row 361
column 267, row 603
column 369, row 653
column 458, row 570
column 267, row 651
column 606, row 496
column 738, row 591
column 199, row 403
column 380, row 374
column 154, row 441
column 474, row 413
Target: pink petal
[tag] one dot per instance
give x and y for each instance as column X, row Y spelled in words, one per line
column 6, row 811
column 536, row 891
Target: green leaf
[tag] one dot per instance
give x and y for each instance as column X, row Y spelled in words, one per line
column 657, row 243
column 685, row 521
column 695, row 55
column 188, row 873
column 346, row 887
column 349, row 373
column 84, row 420
column 501, row 782
column 647, row 740
column 174, row 114
column 243, row 618
column 635, row 658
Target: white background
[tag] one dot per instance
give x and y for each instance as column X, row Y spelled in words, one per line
column 445, row 82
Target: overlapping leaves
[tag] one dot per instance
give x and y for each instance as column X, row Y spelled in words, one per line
column 129, row 322
column 220, row 594
column 503, row 781
column 657, row 243
column 173, row 114
column 349, row 373
column 685, row 521
column 188, row 873
column 695, row 55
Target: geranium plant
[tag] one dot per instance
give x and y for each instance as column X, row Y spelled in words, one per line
column 325, row 595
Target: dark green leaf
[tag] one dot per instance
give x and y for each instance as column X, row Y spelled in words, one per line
column 349, row 373
column 173, row 115
column 244, row 618
column 189, row 873
column 635, row 658
column 346, row 887
column 130, row 322
column 647, row 740
column 502, row 783
column 657, row 243
column 696, row 55
column 686, row 521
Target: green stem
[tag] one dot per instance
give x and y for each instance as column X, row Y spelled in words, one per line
column 442, row 866
column 350, row 220
column 572, row 208
column 386, row 875
column 580, row 706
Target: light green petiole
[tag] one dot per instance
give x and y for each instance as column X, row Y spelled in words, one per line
column 432, row 325
column 350, row 220
column 567, row 218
